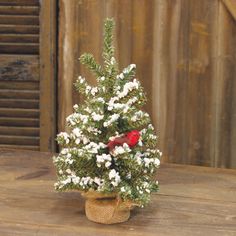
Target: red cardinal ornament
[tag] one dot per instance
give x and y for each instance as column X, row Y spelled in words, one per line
column 131, row 138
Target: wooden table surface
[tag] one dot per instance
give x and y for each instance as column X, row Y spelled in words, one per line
column 192, row 201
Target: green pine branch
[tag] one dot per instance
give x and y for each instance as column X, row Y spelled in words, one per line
column 88, row 60
column 108, row 48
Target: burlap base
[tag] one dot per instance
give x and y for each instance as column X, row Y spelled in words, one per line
column 106, row 208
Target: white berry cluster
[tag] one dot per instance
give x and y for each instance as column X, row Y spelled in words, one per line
column 114, row 177
column 104, row 159
column 128, row 87
column 64, row 137
column 139, row 115
column 119, row 150
column 123, row 107
column 111, row 119
column 144, row 159
column 83, row 182
column 93, row 147
column 97, row 117
column 126, row 71
column 114, row 103
column 76, row 118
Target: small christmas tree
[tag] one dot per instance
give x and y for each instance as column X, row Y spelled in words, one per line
column 112, row 144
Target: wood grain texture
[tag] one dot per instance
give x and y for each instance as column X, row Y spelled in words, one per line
column 19, row 103
column 19, row 74
column 142, row 47
column 195, row 80
column 19, row 122
column 170, row 67
column 19, row 112
column 19, row 20
column 19, row 2
column 185, row 56
column 66, row 59
column 19, row 10
column 20, row 29
column 19, row 140
column 20, row 85
column 25, row 94
column 22, row 67
column 200, row 82
column 19, row 147
column 19, row 48
column 19, row 131
column 192, row 201
column 48, row 70
column 231, row 6
column 225, row 90
column 81, row 31
column 24, row 38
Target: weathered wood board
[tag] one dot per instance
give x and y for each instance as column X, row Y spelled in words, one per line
column 28, row 74
column 192, row 201
column 185, row 56
column 19, row 74
column 22, row 67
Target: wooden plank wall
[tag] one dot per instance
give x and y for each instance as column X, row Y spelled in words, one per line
column 185, row 55
column 48, row 74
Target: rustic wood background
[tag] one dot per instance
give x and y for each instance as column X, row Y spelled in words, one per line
column 27, row 74
column 184, row 50
column 19, row 74
column 185, row 55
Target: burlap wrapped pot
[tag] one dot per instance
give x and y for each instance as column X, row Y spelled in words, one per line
column 106, row 208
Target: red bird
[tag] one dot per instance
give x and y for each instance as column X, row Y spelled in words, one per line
column 131, row 138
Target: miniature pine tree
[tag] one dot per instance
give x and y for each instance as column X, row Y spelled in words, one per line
column 97, row 155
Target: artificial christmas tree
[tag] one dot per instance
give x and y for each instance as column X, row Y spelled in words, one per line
column 110, row 154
